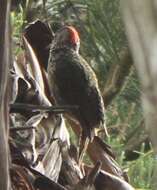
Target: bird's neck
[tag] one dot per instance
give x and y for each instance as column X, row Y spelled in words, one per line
column 64, row 49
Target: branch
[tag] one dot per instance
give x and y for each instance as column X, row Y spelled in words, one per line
column 14, row 129
column 18, row 107
column 105, row 180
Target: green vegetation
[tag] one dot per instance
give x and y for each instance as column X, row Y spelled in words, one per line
column 103, row 39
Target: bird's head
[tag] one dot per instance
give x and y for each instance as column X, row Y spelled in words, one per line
column 67, row 37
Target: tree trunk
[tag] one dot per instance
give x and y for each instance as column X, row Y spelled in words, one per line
column 140, row 19
column 4, row 65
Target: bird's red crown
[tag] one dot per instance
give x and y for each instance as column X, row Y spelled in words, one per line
column 74, row 36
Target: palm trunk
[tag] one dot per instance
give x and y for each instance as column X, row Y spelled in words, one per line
column 4, row 65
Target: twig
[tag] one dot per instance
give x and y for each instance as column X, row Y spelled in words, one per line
column 38, row 108
column 14, row 129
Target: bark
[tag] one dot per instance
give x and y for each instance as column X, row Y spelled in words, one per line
column 4, row 65
column 141, row 29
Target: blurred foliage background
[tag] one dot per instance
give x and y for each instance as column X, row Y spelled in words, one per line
column 102, row 41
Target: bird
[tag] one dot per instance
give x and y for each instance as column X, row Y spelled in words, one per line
column 73, row 82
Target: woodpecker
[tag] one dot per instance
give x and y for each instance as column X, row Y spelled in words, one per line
column 73, row 82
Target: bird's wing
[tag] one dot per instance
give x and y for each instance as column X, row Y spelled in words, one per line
column 72, row 76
